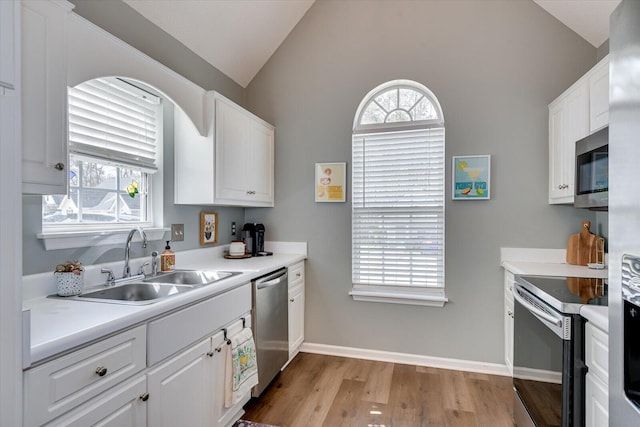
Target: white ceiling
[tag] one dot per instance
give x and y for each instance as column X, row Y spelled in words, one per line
column 239, row 36
column 588, row 18
column 235, row 36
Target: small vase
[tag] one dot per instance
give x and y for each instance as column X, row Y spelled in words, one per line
column 68, row 283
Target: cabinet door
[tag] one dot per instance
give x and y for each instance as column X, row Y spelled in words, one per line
column 599, row 96
column 596, row 402
column 7, row 44
column 123, row 406
column 180, row 390
column 232, row 162
column 44, row 97
column 568, row 122
column 296, row 319
column 508, row 334
column 261, row 174
column 223, row 416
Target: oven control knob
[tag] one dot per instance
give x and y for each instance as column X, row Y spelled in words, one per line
column 633, row 312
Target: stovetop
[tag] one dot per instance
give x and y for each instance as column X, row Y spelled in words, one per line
column 567, row 294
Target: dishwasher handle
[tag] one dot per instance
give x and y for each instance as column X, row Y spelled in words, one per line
column 272, row 280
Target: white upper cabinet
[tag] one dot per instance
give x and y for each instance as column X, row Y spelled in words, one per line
column 233, row 165
column 599, row 96
column 568, row 122
column 579, row 111
column 44, row 96
column 7, row 45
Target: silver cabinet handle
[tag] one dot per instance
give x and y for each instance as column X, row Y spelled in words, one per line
column 292, row 300
column 251, row 192
column 59, row 166
column 101, row 371
column 144, row 397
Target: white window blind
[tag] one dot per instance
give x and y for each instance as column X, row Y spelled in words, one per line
column 113, row 121
column 398, row 209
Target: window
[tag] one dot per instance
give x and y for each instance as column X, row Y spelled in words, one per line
column 115, row 146
column 398, row 196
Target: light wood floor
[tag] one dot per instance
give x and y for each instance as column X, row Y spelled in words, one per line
column 317, row 390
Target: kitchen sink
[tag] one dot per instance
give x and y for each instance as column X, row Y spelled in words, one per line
column 190, row 277
column 137, row 292
column 154, row 288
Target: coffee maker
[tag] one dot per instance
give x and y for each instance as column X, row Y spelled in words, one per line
column 253, row 237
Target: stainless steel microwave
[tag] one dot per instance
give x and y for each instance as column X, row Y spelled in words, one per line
column 592, row 171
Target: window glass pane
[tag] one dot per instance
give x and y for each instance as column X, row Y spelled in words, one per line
column 373, row 114
column 60, row 209
column 388, row 100
column 98, row 205
column 97, row 175
column 398, row 116
column 128, row 176
column 408, row 98
column 74, row 173
column 424, row 110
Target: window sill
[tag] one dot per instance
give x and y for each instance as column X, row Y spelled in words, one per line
column 83, row 239
column 422, row 297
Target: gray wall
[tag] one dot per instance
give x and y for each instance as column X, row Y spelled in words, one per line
column 494, row 66
column 124, row 22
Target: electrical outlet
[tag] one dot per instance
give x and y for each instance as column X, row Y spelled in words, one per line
column 177, row 232
column 233, row 228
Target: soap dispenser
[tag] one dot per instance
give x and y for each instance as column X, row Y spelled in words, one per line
column 167, row 259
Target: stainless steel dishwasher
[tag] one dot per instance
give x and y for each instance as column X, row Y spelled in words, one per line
column 270, row 325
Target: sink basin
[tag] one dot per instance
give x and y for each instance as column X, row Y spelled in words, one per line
column 191, row 277
column 154, row 288
column 137, row 292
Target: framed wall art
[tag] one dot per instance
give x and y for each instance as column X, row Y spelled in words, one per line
column 471, row 177
column 331, row 182
column 208, row 228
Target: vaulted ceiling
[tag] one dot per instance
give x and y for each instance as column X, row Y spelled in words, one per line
column 239, row 36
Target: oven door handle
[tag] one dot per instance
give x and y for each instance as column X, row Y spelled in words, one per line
column 536, row 311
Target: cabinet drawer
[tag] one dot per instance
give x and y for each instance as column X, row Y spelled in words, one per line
column 597, row 352
column 176, row 331
column 296, row 275
column 64, row 383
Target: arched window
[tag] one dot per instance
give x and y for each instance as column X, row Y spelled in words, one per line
column 398, row 196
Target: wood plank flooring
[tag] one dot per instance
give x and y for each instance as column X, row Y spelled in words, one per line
column 316, row 390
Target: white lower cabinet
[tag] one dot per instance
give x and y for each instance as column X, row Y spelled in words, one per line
column 296, row 308
column 58, row 386
column 124, row 406
column 169, row 372
column 509, row 280
column 597, row 402
column 597, row 379
column 180, row 390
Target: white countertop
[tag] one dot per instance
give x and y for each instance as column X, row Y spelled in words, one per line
column 550, row 262
column 597, row 315
column 553, row 269
column 58, row 325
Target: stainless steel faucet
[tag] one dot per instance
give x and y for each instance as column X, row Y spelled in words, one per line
column 127, row 271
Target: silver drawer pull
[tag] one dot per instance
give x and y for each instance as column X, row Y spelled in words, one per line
column 59, row 166
column 101, row 371
column 144, row 397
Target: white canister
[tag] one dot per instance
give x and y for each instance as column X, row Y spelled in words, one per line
column 237, row 248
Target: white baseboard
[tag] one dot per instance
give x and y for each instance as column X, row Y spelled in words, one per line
column 409, row 359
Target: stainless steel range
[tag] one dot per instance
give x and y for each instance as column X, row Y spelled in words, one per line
column 548, row 354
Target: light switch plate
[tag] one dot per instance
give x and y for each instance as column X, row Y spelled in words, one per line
column 177, row 232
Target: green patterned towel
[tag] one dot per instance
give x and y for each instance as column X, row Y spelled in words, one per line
column 241, row 369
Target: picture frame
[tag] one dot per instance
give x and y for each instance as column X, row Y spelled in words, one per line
column 208, row 228
column 471, row 176
column 330, row 182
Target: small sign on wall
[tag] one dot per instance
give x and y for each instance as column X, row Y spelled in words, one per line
column 331, row 182
column 470, row 177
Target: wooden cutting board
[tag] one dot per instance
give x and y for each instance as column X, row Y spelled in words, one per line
column 581, row 247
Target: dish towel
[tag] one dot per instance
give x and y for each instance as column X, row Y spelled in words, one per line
column 241, row 367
